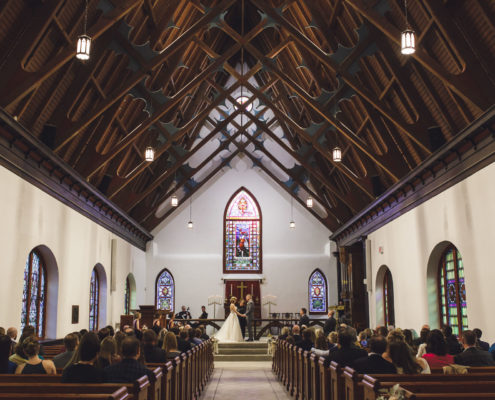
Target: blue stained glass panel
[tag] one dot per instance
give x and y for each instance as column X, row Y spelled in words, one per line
column 165, row 288
column 34, row 294
column 317, row 293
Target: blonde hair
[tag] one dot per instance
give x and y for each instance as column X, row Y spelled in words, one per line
column 169, row 342
column 333, row 337
column 233, row 299
column 396, row 335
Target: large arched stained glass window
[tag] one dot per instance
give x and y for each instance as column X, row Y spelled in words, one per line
column 242, row 233
column 388, row 299
column 94, row 301
column 452, row 291
column 127, row 296
column 165, row 291
column 34, row 294
column 317, row 293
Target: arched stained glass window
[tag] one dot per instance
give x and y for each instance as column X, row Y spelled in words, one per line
column 34, row 294
column 317, row 293
column 242, row 233
column 388, row 299
column 165, row 291
column 127, row 296
column 452, row 291
column 94, row 301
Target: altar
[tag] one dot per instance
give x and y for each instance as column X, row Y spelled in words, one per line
column 239, row 289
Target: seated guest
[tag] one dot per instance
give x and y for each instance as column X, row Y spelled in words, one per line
column 6, row 366
column 330, row 323
column 304, row 320
column 70, row 344
column 472, row 356
column 183, row 343
column 34, row 364
column 333, row 338
column 408, row 337
column 290, row 340
column 480, row 343
column 422, row 337
column 197, row 336
column 284, row 333
column 453, row 345
column 161, row 337
column 204, row 336
column 170, row 346
column 307, row 343
column 129, row 369
column 103, row 333
column 81, row 368
column 396, row 335
column 108, row 354
column 82, row 332
column 347, row 351
column 382, row 331
column 152, row 353
column 404, row 361
column 374, row 363
column 436, row 350
column 12, row 334
column 183, row 314
column 296, row 334
column 321, row 347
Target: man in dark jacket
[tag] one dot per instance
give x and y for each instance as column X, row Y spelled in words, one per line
column 347, row 352
column 304, row 320
column 70, row 344
column 330, row 323
column 480, row 343
column 453, row 345
column 129, row 369
column 374, row 363
column 472, row 356
column 152, row 353
column 183, row 344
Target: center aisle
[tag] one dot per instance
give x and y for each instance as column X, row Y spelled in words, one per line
column 244, row 380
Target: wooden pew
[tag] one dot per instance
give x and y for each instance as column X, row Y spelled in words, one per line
column 314, row 376
column 325, row 382
column 120, row 394
column 52, row 350
column 336, row 382
column 166, row 379
column 307, row 395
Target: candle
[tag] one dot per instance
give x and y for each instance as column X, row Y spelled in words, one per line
column 231, row 289
column 252, row 289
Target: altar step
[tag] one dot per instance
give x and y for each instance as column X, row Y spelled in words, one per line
column 247, row 351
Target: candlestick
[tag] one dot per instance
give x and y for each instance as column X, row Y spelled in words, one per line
column 231, row 289
column 252, row 294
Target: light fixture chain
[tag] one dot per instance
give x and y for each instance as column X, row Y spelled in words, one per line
column 405, row 11
column 86, row 17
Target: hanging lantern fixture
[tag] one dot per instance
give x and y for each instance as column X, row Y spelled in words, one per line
column 83, row 48
column 149, row 154
column 407, row 37
column 337, row 154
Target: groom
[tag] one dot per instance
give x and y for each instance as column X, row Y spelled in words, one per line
column 249, row 316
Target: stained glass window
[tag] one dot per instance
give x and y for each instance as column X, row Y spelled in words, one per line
column 317, row 293
column 242, row 234
column 388, row 299
column 127, row 297
column 452, row 291
column 165, row 291
column 34, row 294
column 94, row 301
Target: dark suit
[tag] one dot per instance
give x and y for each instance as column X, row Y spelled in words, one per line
column 474, row 357
column 183, row 345
column 242, row 320
column 483, row 345
column 374, row 364
column 128, row 370
column 346, row 355
column 453, row 345
column 297, row 339
column 153, row 354
column 330, row 325
column 304, row 320
column 306, row 345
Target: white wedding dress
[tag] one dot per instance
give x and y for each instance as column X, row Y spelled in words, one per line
column 231, row 329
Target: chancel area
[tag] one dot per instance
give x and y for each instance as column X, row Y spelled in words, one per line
column 296, row 193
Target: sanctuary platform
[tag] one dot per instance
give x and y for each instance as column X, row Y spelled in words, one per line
column 247, row 351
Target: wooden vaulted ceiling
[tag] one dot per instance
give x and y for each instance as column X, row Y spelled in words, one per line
column 329, row 71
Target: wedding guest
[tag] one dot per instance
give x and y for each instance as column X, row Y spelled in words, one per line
column 374, row 363
column 290, row 340
column 330, row 323
column 404, row 362
column 304, row 319
column 6, row 366
column 453, row 345
column 296, row 334
column 284, row 333
column 472, row 356
column 119, row 337
column 108, row 354
column 12, row 334
column 81, row 368
column 161, row 337
column 307, row 342
column 423, row 334
column 129, row 369
column 170, row 346
column 347, row 351
column 480, row 343
column 70, row 344
column 333, row 339
column 152, row 353
column 321, row 347
column 197, row 336
column 34, row 364
column 204, row 336
column 436, row 350
column 408, row 337
column 184, row 344
column 382, row 331
column 103, row 333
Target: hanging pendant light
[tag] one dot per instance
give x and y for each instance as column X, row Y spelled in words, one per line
column 149, row 154
column 190, row 224
column 337, row 154
column 83, row 48
column 174, row 201
column 408, row 37
column 309, row 202
column 292, row 224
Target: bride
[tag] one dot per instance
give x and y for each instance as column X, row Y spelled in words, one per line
column 231, row 329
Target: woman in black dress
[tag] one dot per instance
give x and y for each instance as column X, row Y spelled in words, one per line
column 242, row 320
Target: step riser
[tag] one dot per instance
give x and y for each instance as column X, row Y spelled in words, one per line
column 242, row 351
column 242, row 358
column 241, row 345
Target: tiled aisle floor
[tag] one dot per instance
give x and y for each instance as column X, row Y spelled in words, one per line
column 244, row 380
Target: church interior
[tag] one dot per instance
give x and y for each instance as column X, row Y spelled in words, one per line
column 326, row 155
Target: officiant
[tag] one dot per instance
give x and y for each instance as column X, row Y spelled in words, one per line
column 242, row 320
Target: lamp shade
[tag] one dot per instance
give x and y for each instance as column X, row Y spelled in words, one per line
column 309, row 202
column 83, row 48
column 292, row 224
column 174, row 201
column 337, row 154
column 408, row 41
column 149, row 154
column 190, row 225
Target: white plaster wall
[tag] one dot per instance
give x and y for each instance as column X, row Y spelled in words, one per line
column 29, row 218
column 195, row 256
column 464, row 215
